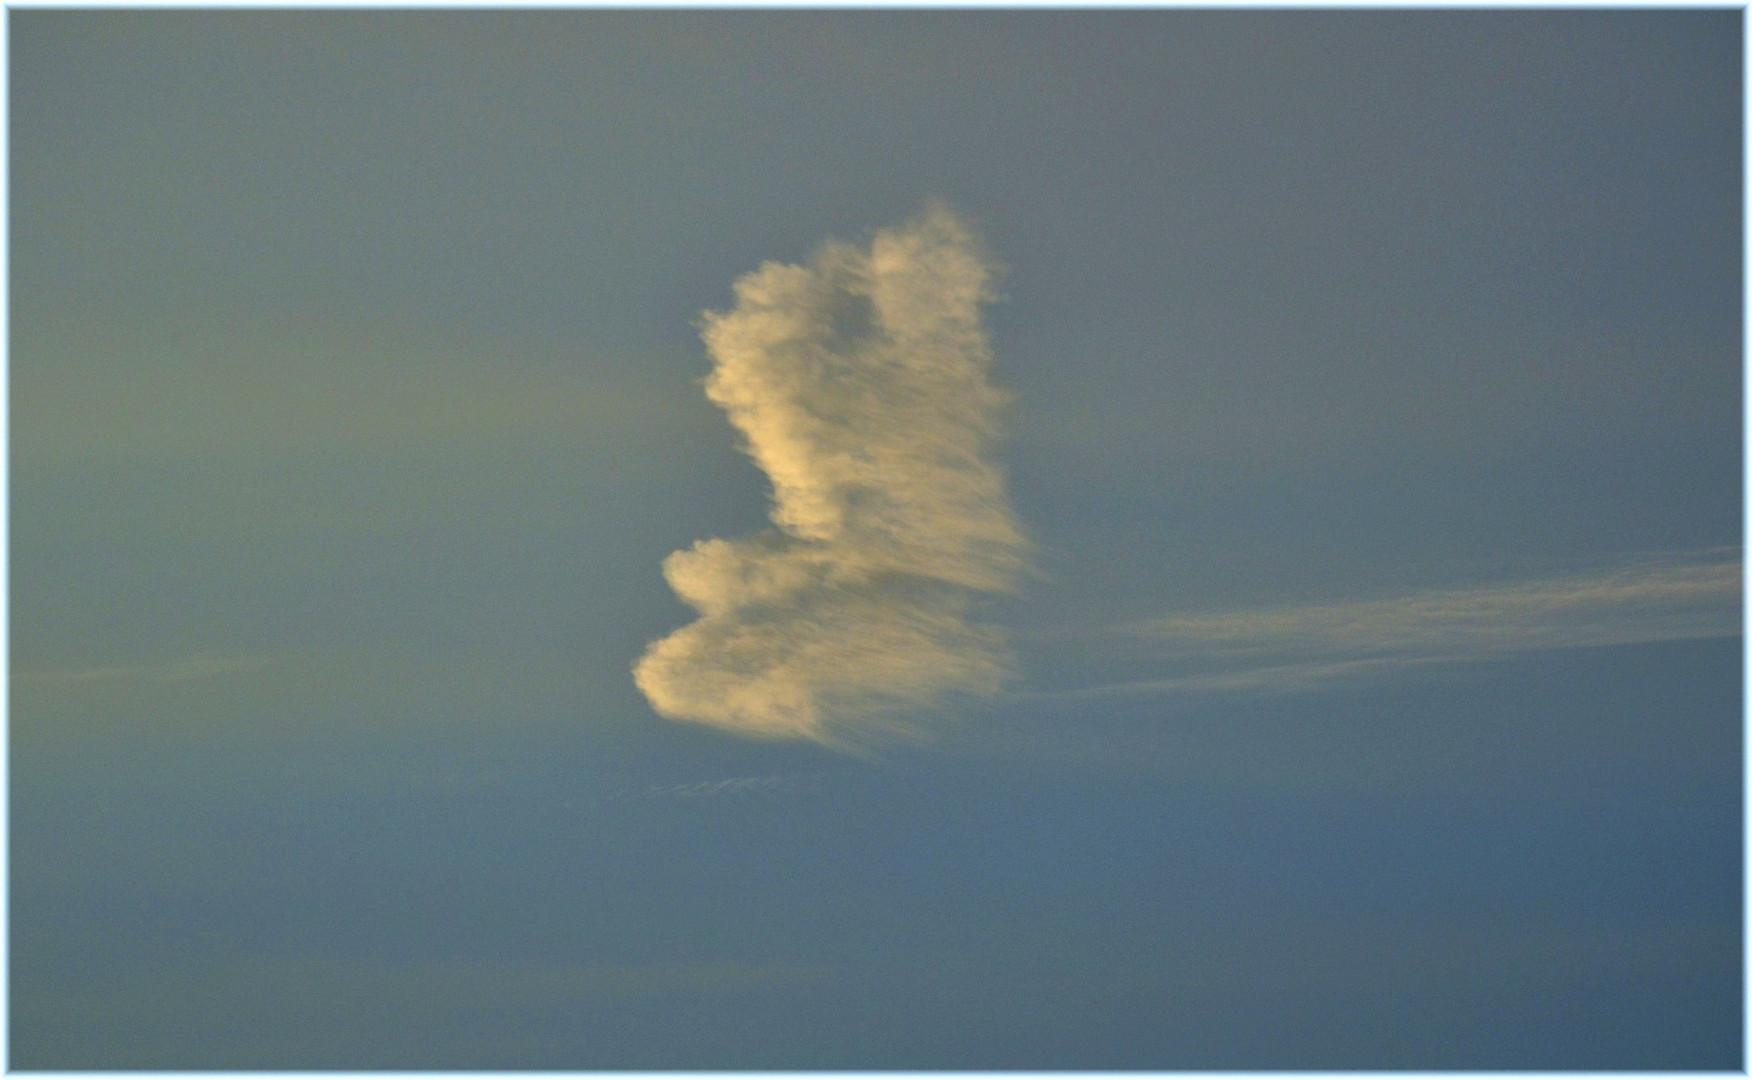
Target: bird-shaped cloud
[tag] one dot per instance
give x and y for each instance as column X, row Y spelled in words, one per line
column 860, row 384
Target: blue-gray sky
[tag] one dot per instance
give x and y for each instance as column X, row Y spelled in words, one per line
column 1372, row 414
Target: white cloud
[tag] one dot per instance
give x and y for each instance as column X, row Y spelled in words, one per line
column 1668, row 598
column 859, row 384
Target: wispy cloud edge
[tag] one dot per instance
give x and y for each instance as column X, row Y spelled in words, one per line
column 1672, row 597
column 185, row 669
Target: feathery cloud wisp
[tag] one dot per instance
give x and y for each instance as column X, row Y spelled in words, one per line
column 859, row 383
column 186, row 669
column 737, row 785
column 1669, row 598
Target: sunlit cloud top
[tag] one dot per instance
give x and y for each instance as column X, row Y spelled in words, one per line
column 860, row 386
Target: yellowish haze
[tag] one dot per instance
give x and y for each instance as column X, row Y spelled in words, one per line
column 859, row 383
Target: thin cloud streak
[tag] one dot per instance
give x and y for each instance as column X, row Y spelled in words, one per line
column 187, row 669
column 859, row 384
column 737, row 785
column 1672, row 598
column 87, row 399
